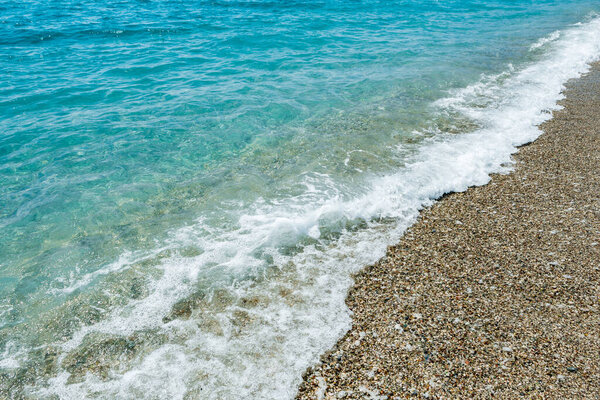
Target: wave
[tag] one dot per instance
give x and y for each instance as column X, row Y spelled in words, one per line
column 545, row 40
column 244, row 315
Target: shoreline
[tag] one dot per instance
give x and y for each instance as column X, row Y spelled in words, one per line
column 493, row 292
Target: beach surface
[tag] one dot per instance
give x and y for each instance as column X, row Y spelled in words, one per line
column 493, row 292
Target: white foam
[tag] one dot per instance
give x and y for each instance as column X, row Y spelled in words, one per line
column 260, row 351
column 545, row 40
column 10, row 358
column 77, row 281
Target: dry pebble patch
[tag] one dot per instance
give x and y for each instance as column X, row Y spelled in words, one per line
column 494, row 292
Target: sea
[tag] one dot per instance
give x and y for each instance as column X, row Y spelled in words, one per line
column 188, row 187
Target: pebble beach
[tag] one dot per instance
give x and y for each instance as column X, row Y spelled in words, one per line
column 494, row 292
column 238, row 200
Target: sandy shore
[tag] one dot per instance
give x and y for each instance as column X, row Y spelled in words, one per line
column 494, row 292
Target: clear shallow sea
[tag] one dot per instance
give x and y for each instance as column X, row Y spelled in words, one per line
column 186, row 187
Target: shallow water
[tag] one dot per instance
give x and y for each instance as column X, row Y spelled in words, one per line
column 186, row 188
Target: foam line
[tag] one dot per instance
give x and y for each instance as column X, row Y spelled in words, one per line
column 258, row 347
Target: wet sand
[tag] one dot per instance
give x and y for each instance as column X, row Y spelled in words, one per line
column 494, row 292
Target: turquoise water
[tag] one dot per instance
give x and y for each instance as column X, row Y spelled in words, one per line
column 186, row 187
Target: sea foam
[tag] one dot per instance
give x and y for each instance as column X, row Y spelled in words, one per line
column 253, row 337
